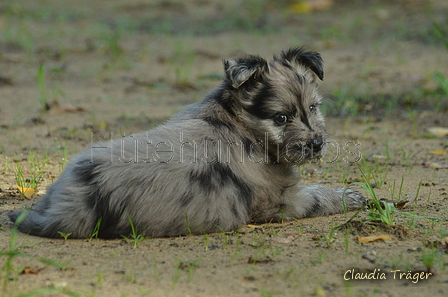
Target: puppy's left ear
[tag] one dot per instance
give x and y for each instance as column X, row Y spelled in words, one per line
column 299, row 57
column 243, row 70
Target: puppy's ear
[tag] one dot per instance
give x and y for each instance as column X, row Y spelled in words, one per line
column 299, row 57
column 241, row 70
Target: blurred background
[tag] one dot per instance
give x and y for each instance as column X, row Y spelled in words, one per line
column 76, row 66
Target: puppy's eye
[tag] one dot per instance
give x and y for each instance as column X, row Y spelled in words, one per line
column 281, row 119
column 313, row 107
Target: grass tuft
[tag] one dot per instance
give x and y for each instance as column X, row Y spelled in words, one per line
column 135, row 237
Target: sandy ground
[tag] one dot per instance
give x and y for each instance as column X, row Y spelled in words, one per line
column 107, row 86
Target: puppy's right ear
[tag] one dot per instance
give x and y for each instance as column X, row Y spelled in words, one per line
column 241, row 70
column 297, row 56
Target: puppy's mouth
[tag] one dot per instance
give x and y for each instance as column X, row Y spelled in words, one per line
column 300, row 152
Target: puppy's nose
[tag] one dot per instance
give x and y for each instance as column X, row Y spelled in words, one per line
column 316, row 144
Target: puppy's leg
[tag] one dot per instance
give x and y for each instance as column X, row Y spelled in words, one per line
column 317, row 200
column 301, row 202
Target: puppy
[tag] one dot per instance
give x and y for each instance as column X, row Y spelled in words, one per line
column 227, row 160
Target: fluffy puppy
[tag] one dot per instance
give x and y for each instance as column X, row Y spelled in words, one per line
column 227, row 160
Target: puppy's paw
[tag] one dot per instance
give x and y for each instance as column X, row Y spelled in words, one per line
column 352, row 199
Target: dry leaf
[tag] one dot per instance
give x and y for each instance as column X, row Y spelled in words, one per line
column 435, row 165
column 351, row 180
column 438, row 131
column 396, row 203
column 439, row 153
column 255, row 261
column 28, row 270
column 57, row 108
column 373, row 238
column 27, row 192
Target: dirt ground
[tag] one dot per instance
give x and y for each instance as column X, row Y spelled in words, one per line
column 80, row 71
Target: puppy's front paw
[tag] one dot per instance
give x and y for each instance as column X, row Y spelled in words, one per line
column 353, row 199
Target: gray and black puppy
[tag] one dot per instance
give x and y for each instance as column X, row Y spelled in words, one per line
column 227, row 160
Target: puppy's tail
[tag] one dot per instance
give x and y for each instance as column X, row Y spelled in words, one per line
column 31, row 222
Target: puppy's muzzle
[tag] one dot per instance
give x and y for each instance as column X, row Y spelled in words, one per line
column 316, row 145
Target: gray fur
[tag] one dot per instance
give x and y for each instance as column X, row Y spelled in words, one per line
column 217, row 165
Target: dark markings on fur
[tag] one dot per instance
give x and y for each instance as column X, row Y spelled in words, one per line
column 314, row 208
column 247, row 145
column 92, row 198
column 221, row 100
column 204, row 180
column 281, row 206
column 217, row 176
column 85, row 171
column 218, row 123
column 186, row 199
column 109, row 225
column 247, row 63
column 311, row 60
column 100, row 202
column 302, row 112
column 286, row 64
column 224, row 98
column 293, row 110
column 245, row 193
column 304, row 119
column 86, row 174
column 266, row 94
column 109, row 217
column 258, row 107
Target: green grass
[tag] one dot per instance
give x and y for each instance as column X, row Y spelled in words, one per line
column 10, row 254
column 96, row 230
column 135, row 237
column 187, row 221
column 182, row 62
column 430, row 256
column 42, row 99
column 11, row 272
column 189, row 267
column 359, row 99
column 442, row 82
column 60, row 264
column 64, row 235
column 385, row 212
column 32, row 175
column 327, row 239
column 440, row 33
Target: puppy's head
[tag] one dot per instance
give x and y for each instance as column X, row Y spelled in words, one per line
column 280, row 99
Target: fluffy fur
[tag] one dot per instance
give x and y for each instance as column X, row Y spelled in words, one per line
column 219, row 164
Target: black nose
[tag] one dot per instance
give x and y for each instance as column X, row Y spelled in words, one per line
column 316, row 144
